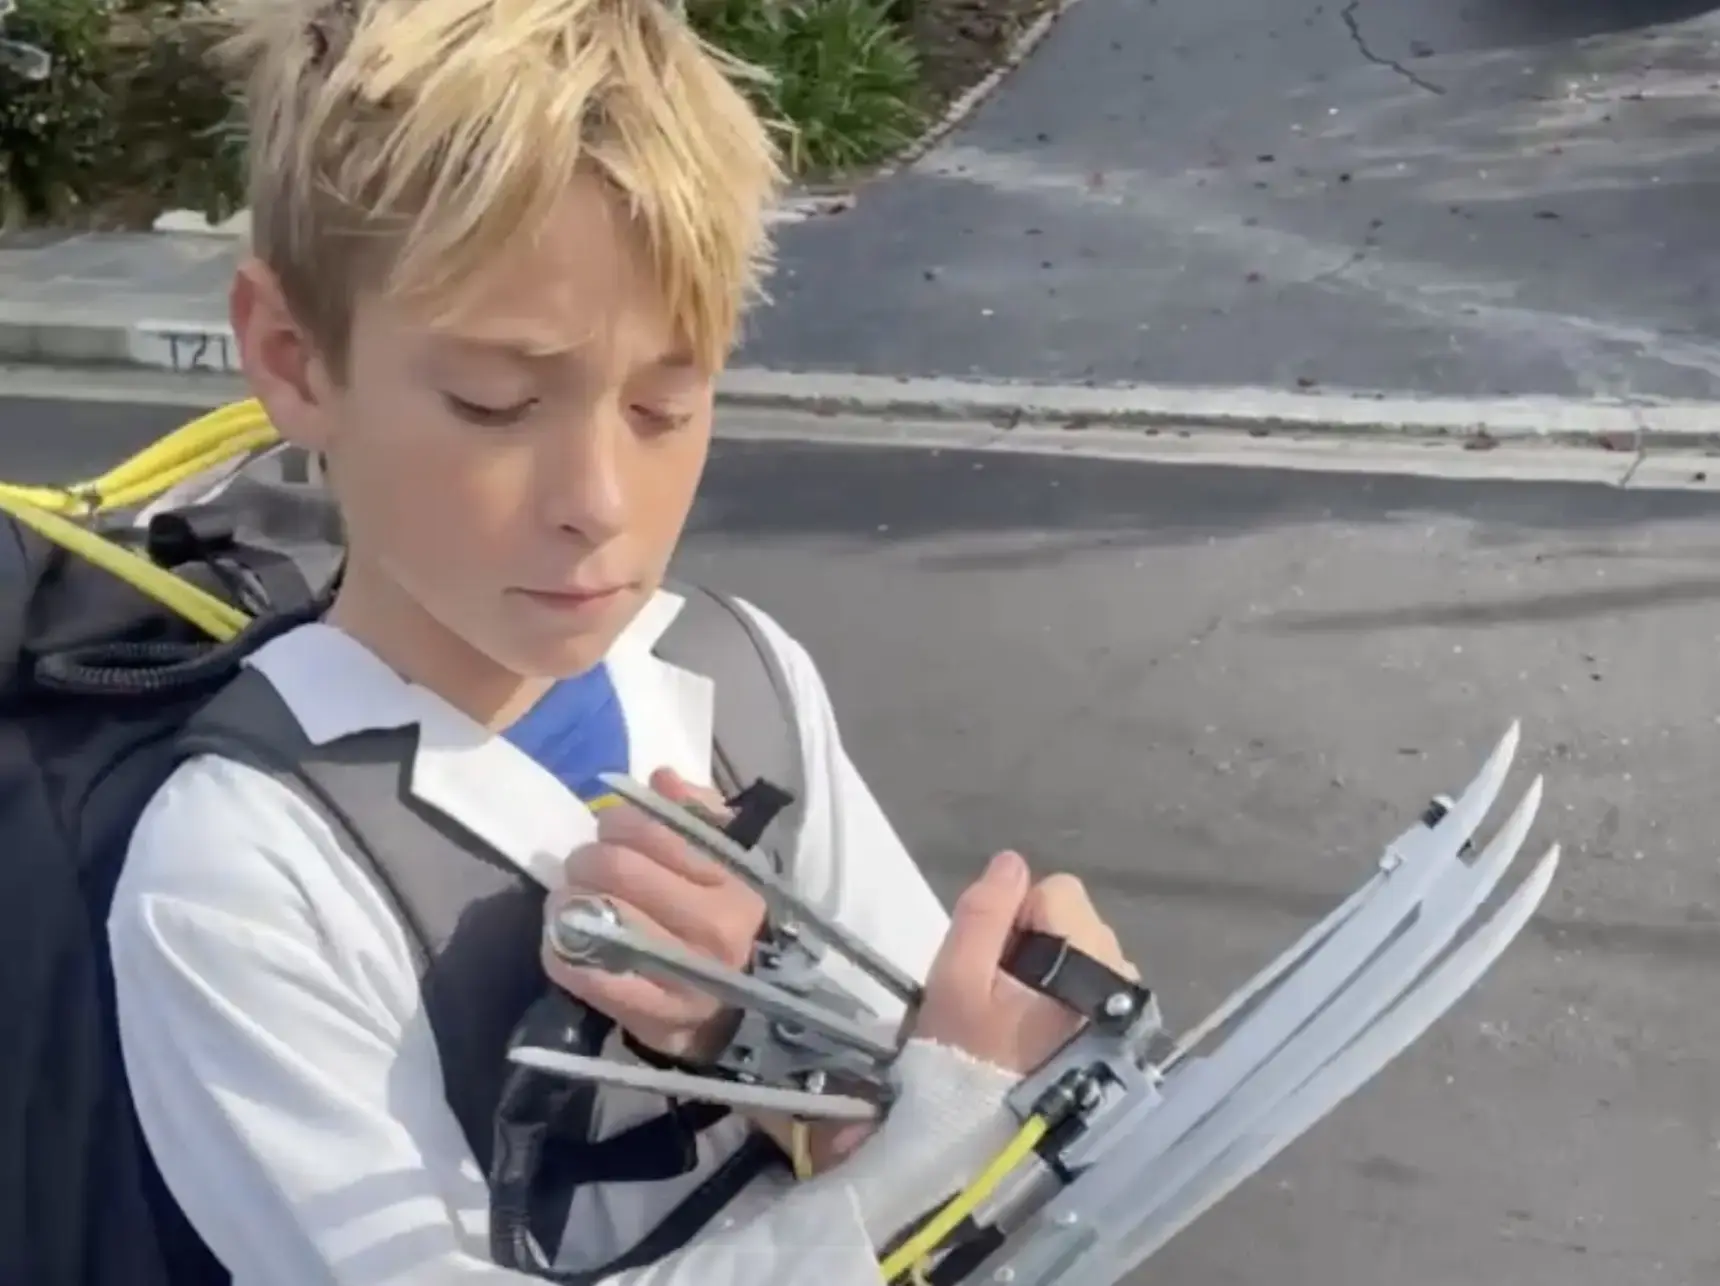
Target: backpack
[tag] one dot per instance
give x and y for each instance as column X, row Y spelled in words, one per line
column 98, row 679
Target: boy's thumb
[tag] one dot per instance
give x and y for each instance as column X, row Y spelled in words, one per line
column 678, row 790
column 982, row 923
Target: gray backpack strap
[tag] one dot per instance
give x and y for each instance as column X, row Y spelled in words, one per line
column 248, row 723
column 756, row 730
column 474, row 924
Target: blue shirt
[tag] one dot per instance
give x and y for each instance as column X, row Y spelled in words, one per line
column 576, row 731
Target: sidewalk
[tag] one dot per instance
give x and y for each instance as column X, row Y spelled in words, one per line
column 144, row 299
column 154, row 305
column 156, row 300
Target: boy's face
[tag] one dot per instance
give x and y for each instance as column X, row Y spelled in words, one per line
column 515, row 482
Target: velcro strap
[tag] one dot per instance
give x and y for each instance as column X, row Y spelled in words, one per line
column 1094, row 990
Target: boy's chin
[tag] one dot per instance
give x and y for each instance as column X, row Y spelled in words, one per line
column 558, row 642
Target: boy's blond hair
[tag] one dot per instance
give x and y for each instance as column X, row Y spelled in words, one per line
column 399, row 144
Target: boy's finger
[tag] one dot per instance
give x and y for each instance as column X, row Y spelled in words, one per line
column 632, row 1000
column 1059, row 905
column 629, row 827
column 688, row 911
column 677, row 789
column 981, row 923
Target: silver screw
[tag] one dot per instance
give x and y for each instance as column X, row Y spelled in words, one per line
column 816, row 1081
column 1068, row 1219
column 1119, row 1004
column 1004, row 1274
column 571, row 937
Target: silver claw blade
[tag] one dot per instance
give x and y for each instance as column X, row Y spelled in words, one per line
column 1346, row 1002
column 1462, row 817
column 1441, row 919
column 1358, row 1063
column 1412, row 865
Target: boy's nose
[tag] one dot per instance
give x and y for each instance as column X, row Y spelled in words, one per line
column 583, row 486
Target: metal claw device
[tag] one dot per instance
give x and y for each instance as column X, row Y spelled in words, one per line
column 1127, row 1134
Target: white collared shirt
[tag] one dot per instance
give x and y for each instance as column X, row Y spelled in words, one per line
column 270, row 1017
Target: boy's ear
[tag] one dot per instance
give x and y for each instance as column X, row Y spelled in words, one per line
column 281, row 363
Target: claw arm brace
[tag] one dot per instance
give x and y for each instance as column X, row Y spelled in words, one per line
column 1127, row 1135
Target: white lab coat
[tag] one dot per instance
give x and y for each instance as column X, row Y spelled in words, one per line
column 285, row 1076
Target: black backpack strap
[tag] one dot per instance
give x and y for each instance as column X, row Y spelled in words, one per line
column 756, row 728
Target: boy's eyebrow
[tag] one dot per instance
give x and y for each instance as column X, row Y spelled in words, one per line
column 679, row 361
column 526, row 346
column 533, row 347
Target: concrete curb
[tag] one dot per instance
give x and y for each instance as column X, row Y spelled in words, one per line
column 1450, row 458
column 196, row 360
column 1260, row 412
column 62, row 337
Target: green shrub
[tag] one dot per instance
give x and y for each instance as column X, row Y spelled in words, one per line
column 127, row 118
column 183, row 137
column 55, row 130
column 844, row 76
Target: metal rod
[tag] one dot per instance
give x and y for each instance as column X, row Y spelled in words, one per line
column 588, row 935
column 781, row 900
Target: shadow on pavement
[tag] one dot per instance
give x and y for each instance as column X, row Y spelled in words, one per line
column 1533, row 21
column 1549, row 609
column 789, row 492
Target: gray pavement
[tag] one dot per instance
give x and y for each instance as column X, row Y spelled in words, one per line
column 1480, row 199
column 1473, row 200
column 1214, row 694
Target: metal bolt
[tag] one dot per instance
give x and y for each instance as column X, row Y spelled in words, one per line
column 816, row 1080
column 1004, row 1274
column 1068, row 1219
column 1119, row 1004
column 572, row 939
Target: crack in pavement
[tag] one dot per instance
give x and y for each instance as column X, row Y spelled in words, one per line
column 1599, row 352
column 1353, row 24
column 1640, row 447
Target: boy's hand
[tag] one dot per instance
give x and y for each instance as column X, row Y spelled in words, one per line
column 661, row 886
column 972, row 1004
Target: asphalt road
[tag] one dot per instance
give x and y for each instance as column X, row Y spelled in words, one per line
column 1215, row 694
column 1475, row 198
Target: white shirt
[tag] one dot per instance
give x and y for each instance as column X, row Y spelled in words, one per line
column 276, row 1047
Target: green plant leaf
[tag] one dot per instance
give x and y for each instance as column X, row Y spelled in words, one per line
column 843, row 75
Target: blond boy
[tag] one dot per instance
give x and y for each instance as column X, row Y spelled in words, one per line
column 501, row 250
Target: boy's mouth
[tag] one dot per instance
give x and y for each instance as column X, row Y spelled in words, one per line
column 575, row 598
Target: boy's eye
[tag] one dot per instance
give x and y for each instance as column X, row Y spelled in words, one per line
column 487, row 416
column 657, row 419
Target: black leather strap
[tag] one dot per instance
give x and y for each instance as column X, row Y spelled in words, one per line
column 1053, row 968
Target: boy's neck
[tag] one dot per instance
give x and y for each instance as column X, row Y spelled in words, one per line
column 372, row 610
